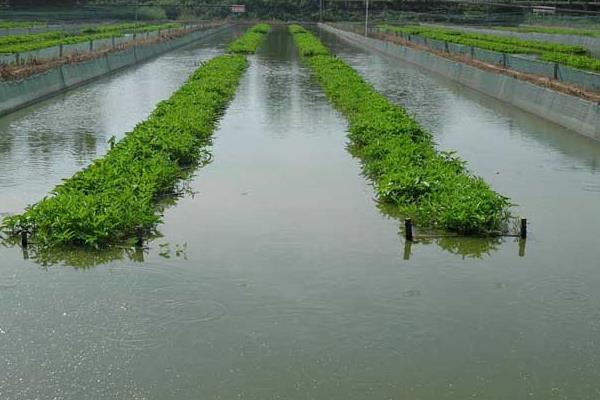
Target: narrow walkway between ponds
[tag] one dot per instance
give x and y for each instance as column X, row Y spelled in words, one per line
column 51, row 140
column 280, row 279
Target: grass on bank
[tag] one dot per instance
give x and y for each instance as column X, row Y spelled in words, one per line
column 20, row 24
column 501, row 43
column 108, row 201
column 434, row 188
column 31, row 42
column 573, row 56
column 559, row 30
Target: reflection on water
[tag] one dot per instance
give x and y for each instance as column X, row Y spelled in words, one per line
column 87, row 258
column 462, row 246
column 79, row 258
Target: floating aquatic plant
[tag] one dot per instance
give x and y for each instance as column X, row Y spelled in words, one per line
column 432, row 187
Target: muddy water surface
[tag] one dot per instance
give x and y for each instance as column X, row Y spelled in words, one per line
column 280, row 278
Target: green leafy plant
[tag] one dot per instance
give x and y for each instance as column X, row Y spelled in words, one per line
column 552, row 30
column 573, row 56
column 306, row 44
column 432, row 187
column 573, row 60
column 115, row 196
column 20, row 24
column 501, row 43
column 249, row 42
column 23, row 43
column 118, row 195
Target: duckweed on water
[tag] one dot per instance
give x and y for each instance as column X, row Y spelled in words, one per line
column 399, row 156
column 116, row 195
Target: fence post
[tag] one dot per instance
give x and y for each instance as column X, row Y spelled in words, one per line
column 408, row 229
column 523, row 231
column 504, row 60
column 91, row 45
column 556, row 71
column 113, row 42
column 60, row 50
column 139, row 236
column 407, row 250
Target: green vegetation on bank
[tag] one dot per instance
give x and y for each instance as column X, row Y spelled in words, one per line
column 22, row 43
column 130, row 27
column 19, row 24
column 9, row 40
column 118, row 194
column 573, row 56
column 432, row 187
column 500, row 43
column 573, row 60
column 248, row 43
column 63, row 39
column 551, row 29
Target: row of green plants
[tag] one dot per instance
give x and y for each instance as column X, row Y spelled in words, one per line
column 45, row 43
column 573, row 60
column 250, row 40
column 19, row 24
column 560, row 30
column 118, row 195
column 573, row 56
column 434, row 188
column 29, row 38
column 22, row 43
column 307, row 46
column 131, row 28
column 505, row 44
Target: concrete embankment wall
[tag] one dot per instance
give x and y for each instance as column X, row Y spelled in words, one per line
column 571, row 112
column 18, row 94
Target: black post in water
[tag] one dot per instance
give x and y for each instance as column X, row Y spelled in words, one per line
column 407, row 250
column 522, row 243
column 139, row 234
column 408, row 229
column 523, row 233
column 24, row 242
